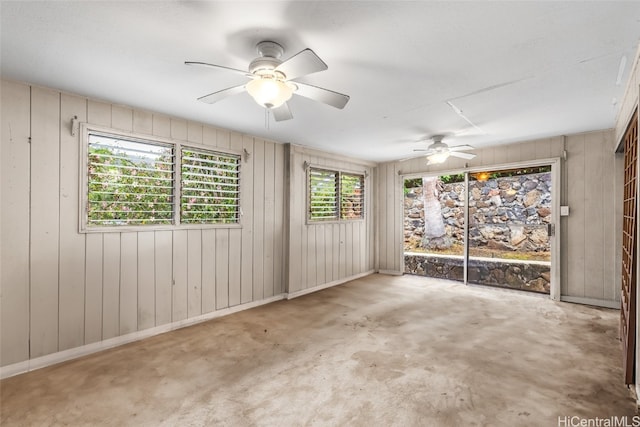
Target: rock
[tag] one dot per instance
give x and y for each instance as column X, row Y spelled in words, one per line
column 475, row 193
column 530, row 185
column 496, row 200
column 532, row 198
column 539, row 236
column 536, row 285
column 544, row 212
column 546, row 276
column 517, row 234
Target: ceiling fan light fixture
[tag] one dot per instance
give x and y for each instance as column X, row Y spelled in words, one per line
column 438, row 157
column 269, row 92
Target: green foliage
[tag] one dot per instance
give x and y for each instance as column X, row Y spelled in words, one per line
column 132, row 183
column 210, row 192
column 127, row 192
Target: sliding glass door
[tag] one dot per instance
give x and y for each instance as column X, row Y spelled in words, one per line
column 493, row 225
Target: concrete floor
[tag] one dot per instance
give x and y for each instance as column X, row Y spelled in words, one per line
column 379, row 351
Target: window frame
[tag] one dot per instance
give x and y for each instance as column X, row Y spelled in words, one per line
column 83, row 224
column 339, row 172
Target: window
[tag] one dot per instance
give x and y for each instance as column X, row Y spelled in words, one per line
column 135, row 182
column 210, row 187
column 335, row 195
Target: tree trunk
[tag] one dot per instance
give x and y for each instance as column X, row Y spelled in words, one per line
column 435, row 236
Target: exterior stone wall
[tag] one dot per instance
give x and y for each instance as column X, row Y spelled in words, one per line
column 526, row 276
column 506, row 214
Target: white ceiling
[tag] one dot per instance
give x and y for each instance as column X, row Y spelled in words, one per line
column 517, row 70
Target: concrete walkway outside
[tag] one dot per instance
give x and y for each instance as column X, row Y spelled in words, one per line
column 379, row 351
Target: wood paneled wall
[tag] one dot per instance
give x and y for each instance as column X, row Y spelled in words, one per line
column 592, row 183
column 62, row 289
column 325, row 253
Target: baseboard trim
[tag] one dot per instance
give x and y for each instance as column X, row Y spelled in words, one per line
column 297, row 294
column 591, row 301
column 74, row 353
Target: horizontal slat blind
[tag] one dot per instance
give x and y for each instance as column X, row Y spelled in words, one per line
column 130, row 182
column 323, row 194
column 351, row 196
column 210, row 187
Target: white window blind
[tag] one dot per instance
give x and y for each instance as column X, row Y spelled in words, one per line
column 323, row 194
column 210, row 187
column 351, row 196
column 129, row 182
column 335, row 195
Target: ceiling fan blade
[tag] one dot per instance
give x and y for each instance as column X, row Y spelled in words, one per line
column 221, row 94
column 244, row 73
column 326, row 96
column 301, row 64
column 461, row 148
column 461, row 155
column 282, row 113
column 422, row 149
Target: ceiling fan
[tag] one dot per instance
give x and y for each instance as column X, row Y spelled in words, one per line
column 440, row 151
column 272, row 85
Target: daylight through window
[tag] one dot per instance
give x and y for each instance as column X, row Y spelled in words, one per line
column 133, row 182
column 335, row 195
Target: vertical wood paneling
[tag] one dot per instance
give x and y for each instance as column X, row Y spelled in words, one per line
column 128, row 283
column 223, row 138
column 93, row 289
column 542, row 149
column 342, row 261
column 45, row 203
column 179, row 289
column 194, row 132
column 298, row 169
column 348, row 248
column 72, row 244
column 194, row 273
column 161, row 126
column 312, row 258
column 595, row 175
column 122, row 118
column 179, row 129
column 575, row 167
column 98, row 113
column 235, row 265
column 142, row 122
column 14, row 222
column 328, row 253
column 222, row 268
column 111, row 285
column 320, row 254
column 246, row 201
column 278, row 224
column 209, row 136
column 208, row 270
column 383, row 218
column 392, row 230
column 269, row 218
column 163, row 276
column 258, row 220
column 146, row 280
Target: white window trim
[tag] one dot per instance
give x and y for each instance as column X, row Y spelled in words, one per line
column 83, row 188
column 339, row 171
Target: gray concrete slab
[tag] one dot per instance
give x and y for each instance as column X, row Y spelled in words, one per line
column 379, row 351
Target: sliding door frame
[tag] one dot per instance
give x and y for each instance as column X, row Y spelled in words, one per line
column 556, row 174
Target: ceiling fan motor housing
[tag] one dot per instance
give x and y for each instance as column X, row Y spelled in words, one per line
column 270, row 53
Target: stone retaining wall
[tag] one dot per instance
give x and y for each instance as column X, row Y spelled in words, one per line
column 506, row 214
column 526, row 276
